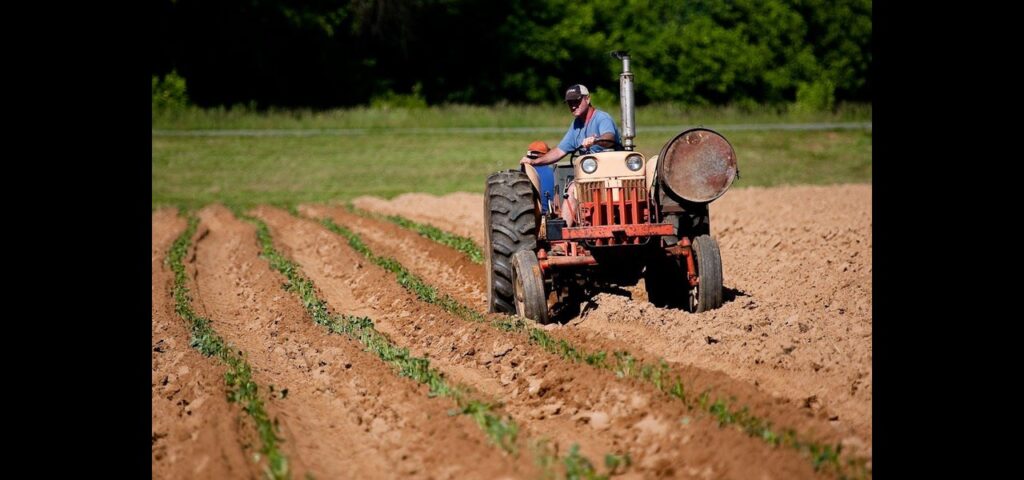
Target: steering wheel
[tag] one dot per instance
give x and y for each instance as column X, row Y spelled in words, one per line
column 581, row 150
column 609, row 141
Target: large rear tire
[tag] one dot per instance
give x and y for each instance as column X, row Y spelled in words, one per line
column 530, row 299
column 707, row 295
column 510, row 226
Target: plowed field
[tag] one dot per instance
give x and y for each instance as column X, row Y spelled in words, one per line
column 767, row 386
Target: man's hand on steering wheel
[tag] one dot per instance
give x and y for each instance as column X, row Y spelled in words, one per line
column 600, row 140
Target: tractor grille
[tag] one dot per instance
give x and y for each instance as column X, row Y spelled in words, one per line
column 625, row 205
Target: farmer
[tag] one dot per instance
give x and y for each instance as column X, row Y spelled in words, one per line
column 592, row 129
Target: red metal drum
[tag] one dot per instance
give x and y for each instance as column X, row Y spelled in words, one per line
column 698, row 165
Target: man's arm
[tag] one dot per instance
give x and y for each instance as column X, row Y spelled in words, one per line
column 605, row 125
column 607, row 140
column 552, row 156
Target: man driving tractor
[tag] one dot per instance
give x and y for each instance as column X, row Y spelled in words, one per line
column 610, row 217
column 591, row 129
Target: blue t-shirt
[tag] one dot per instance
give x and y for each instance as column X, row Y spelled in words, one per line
column 599, row 124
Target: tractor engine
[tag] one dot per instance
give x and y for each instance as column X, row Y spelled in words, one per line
column 613, row 197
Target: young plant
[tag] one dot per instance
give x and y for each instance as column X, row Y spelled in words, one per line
column 501, row 430
column 241, row 388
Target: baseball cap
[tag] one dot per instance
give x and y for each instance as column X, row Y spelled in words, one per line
column 536, row 149
column 576, row 92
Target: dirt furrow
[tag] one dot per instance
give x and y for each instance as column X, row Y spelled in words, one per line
column 547, row 395
column 797, row 268
column 797, row 322
column 460, row 213
column 196, row 432
column 432, row 261
column 345, row 413
column 446, row 268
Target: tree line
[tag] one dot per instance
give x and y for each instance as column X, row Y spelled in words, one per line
column 323, row 54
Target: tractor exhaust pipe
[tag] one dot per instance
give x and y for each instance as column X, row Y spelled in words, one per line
column 626, row 100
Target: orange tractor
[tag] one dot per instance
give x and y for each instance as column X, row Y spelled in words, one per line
column 633, row 218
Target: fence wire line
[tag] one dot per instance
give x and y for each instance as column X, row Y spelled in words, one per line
column 315, row 132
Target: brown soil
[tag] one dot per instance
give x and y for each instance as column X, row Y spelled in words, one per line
column 792, row 342
column 548, row 396
column 196, row 432
column 797, row 322
column 460, row 213
column 346, row 414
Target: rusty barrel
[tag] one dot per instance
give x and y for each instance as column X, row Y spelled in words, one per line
column 698, row 165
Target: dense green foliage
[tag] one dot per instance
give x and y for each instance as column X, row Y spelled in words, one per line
column 169, row 93
column 316, row 53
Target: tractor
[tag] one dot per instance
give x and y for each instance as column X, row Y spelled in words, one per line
column 632, row 218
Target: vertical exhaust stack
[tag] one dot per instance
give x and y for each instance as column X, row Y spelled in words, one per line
column 626, row 100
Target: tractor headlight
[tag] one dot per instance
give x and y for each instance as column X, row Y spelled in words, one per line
column 589, row 165
column 634, row 162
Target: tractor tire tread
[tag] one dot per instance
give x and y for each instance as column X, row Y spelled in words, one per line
column 510, row 226
column 709, row 268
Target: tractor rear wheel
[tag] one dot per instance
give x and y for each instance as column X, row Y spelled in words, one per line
column 510, row 226
column 530, row 299
column 707, row 295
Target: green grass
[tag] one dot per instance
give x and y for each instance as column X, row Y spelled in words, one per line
column 238, row 379
column 503, row 431
column 193, row 171
column 504, row 116
column 768, row 159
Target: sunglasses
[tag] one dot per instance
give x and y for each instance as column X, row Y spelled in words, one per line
column 573, row 103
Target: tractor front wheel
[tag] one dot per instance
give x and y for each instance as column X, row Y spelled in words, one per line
column 531, row 301
column 707, row 295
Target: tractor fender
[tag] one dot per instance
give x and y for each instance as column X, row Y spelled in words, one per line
column 531, row 173
column 543, row 181
column 651, row 172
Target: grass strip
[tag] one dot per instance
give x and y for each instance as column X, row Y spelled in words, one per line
column 240, row 386
column 824, row 457
column 545, row 115
column 503, row 432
